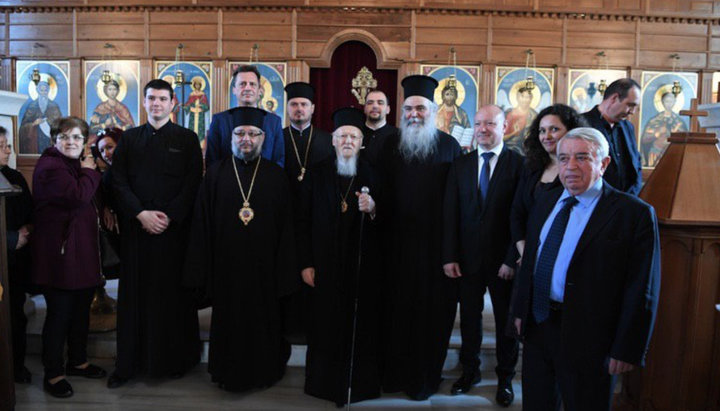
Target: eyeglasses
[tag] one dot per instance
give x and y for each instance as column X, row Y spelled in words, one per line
column 349, row 136
column 251, row 134
column 74, row 137
column 6, row 147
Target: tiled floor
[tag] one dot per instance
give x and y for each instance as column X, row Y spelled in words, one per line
column 196, row 392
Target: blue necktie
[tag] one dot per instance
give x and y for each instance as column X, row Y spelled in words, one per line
column 545, row 264
column 485, row 175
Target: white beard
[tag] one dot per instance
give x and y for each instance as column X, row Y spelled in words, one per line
column 346, row 167
column 418, row 141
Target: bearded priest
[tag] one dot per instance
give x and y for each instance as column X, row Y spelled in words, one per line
column 242, row 257
column 421, row 304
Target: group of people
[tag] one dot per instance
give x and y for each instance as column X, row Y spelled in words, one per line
column 361, row 241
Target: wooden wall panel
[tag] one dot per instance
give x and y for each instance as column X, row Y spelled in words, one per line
column 41, row 32
column 257, row 32
column 183, row 32
column 439, row 53
column 662, row 59
column 456, row 36
column 111, row 32
column 165, row 49
column 673, row 43
column 522, row 23
column 269, row 50
column 40, row 18
column 677, row 29
column 601, row 40
column 600, row 26
column 110, row 18
column 183, row 17
column 526, row 38
column 312, row 18
column 516, row 55
column 96, row 49
column 318, row 33
column 450, row 20
column 260, row 18
column 54, row 49
column 586, row 57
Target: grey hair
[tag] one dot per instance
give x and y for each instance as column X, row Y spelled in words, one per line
column 592, row 136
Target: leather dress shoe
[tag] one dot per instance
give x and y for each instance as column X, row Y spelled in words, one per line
column 115, row 381
column 465, row 382
column 91, row 371
column 505, row 394
column 61, row 389
column 24, row 376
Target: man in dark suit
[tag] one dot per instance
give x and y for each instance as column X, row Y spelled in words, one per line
column 246, row 88
column 587, row 290
column 477, row 248
column 620, row 101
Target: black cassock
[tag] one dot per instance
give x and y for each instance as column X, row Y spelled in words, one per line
column 245, row 269
column 296, row 306
column 421, row 301
column 157, row 321
column 328, row 241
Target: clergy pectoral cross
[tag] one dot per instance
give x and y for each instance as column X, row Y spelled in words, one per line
column 694, row 113
column 246, row 213
column 302, row 174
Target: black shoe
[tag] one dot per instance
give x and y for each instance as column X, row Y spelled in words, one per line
column 61, row 389
column 116, row 381
column 24, row 376
column 91, row 371
column 505, row 394
column 465, row 382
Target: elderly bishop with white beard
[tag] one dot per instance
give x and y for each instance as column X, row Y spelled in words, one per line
column 334, row 214
column 422, row 302
column 241, row 253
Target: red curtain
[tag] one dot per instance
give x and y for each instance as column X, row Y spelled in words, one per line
column 333, row 85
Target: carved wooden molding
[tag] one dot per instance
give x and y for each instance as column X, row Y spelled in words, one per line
column 381, row 55
column 669, row 18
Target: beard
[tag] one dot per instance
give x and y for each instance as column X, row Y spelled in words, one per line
column 417, row 140
column 346, row 167
column 249, row 156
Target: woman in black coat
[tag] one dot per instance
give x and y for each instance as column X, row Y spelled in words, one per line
column 541, row 168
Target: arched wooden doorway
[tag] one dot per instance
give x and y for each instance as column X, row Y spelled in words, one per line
column 333, row 85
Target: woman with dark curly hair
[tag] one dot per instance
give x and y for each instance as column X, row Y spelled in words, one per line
column 541, row 168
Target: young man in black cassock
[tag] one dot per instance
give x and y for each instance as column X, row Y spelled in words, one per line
column 421, row 302
column 18, row 214
column 157, row 168
column 242, row 253
column 376, row 129
column 305, row 146
column 329, row 230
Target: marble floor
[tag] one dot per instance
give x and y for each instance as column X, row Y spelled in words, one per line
column 196, row 392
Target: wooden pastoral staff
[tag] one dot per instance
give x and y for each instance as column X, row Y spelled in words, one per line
column 683, row 363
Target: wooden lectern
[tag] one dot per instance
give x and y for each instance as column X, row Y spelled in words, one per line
column 683, row 363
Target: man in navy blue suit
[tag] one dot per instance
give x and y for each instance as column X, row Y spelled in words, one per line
column 620, row 101
column 587, row 290
column 246, row 88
